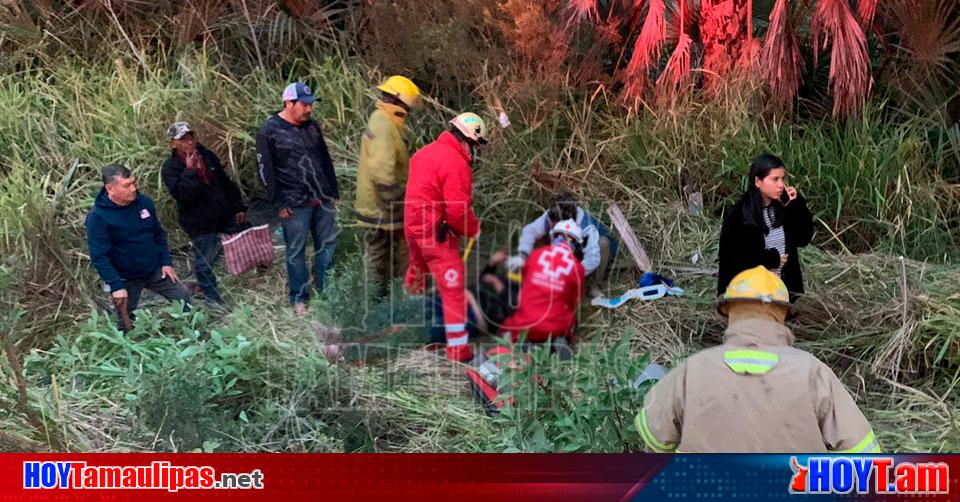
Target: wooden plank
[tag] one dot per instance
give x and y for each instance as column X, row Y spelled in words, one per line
column 629, row 238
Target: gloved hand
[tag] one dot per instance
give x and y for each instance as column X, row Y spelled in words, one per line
column 515, row 262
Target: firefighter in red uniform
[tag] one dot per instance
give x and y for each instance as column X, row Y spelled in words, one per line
column 550, row 292
column 438, row 210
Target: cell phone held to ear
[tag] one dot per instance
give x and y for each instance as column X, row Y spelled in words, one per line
column 784, row 197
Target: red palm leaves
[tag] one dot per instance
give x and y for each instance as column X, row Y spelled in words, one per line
column 850, row 79
column 650, row 42
column 723, row 29
column 780, row 56
column 678, row 67
column 583, row 10
column 866, row 10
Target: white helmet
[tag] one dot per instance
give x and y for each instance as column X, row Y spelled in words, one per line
column 471, row 126
column 568, row 228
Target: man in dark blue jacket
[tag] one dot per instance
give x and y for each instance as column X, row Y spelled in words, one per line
column 208, row 203
column 297, row 170
column 128, row 247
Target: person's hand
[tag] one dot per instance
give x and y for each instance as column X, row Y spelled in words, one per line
column 168, row 271
column 515, row 262
column 783, row 259
column 494, row 282
column 498, row 257
column 192, row 159
column 286, row 213
column 241, row 217
column 120, row 293
column 791, row 194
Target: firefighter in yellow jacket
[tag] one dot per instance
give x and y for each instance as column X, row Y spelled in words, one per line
column 382, row 176
column 755, row 393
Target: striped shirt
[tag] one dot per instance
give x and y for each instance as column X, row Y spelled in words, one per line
column 774, row 238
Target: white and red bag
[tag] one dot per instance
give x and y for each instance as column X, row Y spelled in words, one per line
column 248, row 249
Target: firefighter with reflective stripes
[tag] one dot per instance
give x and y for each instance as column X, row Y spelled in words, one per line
column 755, row 393
column 382, row 175
column 437, row 212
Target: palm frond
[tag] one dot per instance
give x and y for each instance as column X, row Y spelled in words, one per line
column 866, row 10
column 850, row 80
column 780, row 56
column 927, row 31
column 582, row 10
column 649, row 44
column 924, row 71
column 676, row 74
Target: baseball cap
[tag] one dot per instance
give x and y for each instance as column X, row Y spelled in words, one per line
column 178, row 129
column 300, row 92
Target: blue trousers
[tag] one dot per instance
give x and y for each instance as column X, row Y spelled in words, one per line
column 321, row 224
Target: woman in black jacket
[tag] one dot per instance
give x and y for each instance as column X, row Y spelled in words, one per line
column 766, row 227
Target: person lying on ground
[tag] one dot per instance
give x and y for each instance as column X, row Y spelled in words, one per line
column 128, row 247
column 766, row 227
column 489, row 302
column 599, row 246
column 208, row 203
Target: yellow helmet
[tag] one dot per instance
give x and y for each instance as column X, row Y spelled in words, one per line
column 403, row 88
column 756, row 285
column 471, row 126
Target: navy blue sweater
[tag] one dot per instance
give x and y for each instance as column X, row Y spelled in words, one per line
column 126, row 242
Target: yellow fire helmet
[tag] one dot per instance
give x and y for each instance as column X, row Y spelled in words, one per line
column 403, row 88
column 472, row 126
column 756, row 285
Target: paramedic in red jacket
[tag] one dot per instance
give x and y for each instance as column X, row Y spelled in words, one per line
column 438, row 210
column 550, row 292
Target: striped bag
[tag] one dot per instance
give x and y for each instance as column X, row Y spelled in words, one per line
column 248, row 249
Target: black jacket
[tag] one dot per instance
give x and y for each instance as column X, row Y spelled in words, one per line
column 742, row 245
column 202, row 209
column 294, row 163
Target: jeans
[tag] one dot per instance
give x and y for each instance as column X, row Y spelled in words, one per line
column 321, row 223
column 170, row 290
column 206, row 251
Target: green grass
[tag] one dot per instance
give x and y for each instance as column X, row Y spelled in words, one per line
column 257, row 381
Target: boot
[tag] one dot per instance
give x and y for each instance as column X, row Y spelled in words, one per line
column 459, row 353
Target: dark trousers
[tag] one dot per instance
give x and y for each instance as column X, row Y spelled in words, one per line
column 387, row 253
column 320, row 223
column 206, row 251
column 170, row 290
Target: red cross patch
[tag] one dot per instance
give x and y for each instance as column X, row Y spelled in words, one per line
column 556, row 262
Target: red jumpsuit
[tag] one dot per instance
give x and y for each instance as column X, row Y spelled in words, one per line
column 440, row 189
column 549, row 295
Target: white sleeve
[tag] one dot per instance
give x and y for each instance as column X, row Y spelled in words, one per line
column 591, row 254
column 531, row 233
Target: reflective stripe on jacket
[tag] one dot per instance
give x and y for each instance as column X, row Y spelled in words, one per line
column 382, row 173
column 754, row 393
